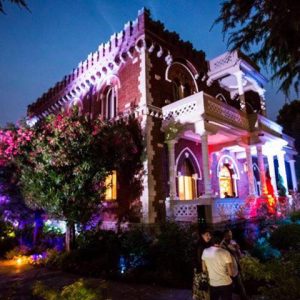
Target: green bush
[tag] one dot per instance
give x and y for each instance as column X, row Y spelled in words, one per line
column 276, row 279
column 286, row 237
column 135, row 247
column 174, row 252
column 51, row 259
column 79, row 290
column 17, row 251
column 252, row 268
column 97, row 254
column 283, row 278
column 8, row 238
column 295, row 216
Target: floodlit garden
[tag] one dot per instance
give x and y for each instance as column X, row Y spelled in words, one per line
column 54, row 188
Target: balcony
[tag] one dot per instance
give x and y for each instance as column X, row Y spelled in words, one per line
column 202, row 107
column 226, row 67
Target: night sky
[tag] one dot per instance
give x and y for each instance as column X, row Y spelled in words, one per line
column 39, row 48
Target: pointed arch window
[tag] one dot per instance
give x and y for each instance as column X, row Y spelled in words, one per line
column 111, row 103
column 176, row 89
column 182, row 79
column 226, row 182
column 187, row 181
column 228, row 176
column 187, row 91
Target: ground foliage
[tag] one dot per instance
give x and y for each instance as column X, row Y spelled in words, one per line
column 79, row 290
column 268, row 31
column 286, row 237
column 274, row 279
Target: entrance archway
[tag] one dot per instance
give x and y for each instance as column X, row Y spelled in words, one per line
column 228, row 176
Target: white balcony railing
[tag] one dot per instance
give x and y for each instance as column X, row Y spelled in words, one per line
column 224, row 61
column 192, row 109
column 222, row 209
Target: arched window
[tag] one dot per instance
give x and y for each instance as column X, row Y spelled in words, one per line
column 226, row 182
column 187, row 181
column 111, row 103
column 176, row 89
column 228, row 175
column 187, row 91
column 111, row 186
column 182, row 79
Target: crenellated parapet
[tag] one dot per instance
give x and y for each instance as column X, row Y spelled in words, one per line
column 122, row 47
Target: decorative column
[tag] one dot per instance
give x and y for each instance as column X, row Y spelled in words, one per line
column 172, row 171
column 250, row 172
column 293, row 173
column 282, row 170
column 239, row 78
column 272, row 171
column 262, row 171
column 205, row 162
column 261, row 93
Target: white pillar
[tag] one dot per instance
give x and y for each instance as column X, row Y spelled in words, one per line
column 262, row 171
column 205, row 162
column 293, row 173
column 282, row 170
column 261, row 93
column 172, row 171
column 251, row 182
column 272, row 172
column 239, row 78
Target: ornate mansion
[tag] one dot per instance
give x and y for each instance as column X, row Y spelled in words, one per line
column 210, row 148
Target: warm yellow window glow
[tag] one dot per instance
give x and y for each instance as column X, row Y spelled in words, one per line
column 111, row 186
column 186, row 188
column 226, row 183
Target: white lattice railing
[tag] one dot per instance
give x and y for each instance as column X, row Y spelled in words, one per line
column 223, row 61
column 229, row 209
column 191, row 109
column 184, row 210
column 222, row 209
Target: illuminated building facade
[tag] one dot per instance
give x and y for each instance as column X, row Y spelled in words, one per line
column 208, row 140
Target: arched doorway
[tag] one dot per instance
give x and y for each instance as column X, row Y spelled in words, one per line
column 228, row 175
column 226, row 182
column 187, row 184
column 188, row 175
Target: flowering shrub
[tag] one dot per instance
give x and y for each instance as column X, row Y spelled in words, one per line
column 12, row 141
column 63, row 162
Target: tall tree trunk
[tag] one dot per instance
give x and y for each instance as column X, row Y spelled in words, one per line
column 70, row 236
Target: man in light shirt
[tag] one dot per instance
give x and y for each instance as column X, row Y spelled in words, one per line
column 218, row 263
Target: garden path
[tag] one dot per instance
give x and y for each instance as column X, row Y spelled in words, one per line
column 16, row 283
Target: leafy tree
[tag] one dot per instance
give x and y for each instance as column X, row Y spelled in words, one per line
column 289, row 118
column 20, row 3
column 63, row 168
column 271, row 27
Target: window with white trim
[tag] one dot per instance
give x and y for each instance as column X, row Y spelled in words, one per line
column 111, row 103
